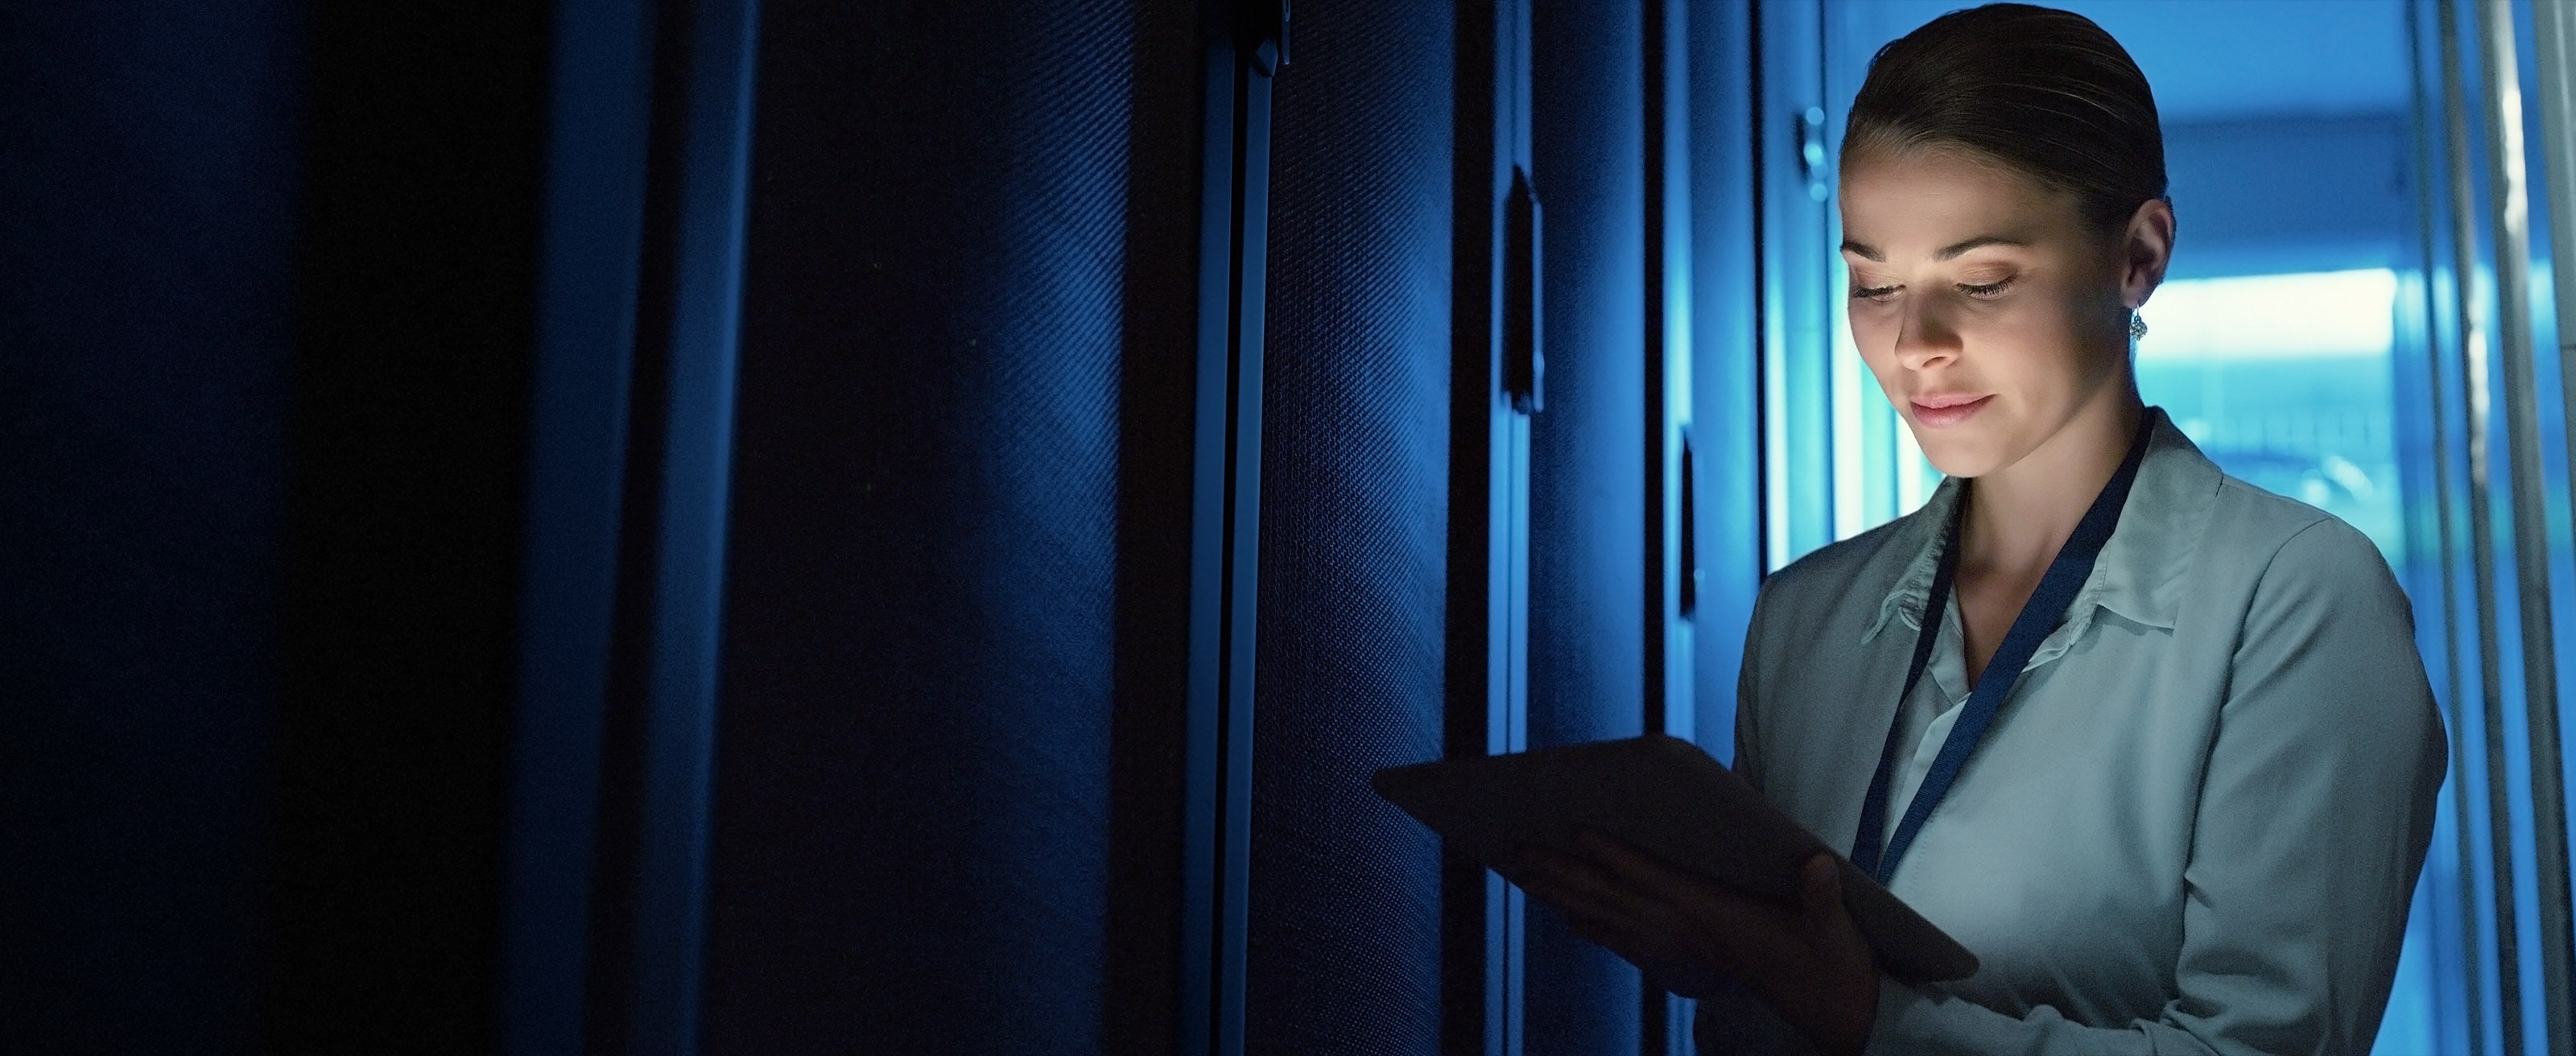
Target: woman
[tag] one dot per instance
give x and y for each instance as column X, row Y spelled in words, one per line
column 2204, row 785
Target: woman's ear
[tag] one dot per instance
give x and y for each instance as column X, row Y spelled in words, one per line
column 2146, row 249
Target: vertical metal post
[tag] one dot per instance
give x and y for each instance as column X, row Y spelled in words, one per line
column 2554, row 54
column 1671, row 325
column 1770, row 524
column 2473, row 371
column 2554, row 48
column 1494, row 389
column 2510, row 206
column 1795, row 285
column 1654, row 412
column 2554, row 22
column 591, row 253
column 1247, row 43
column 1665, row 1017
column 705, row 290
column 1510, row 730
column 2445, row 540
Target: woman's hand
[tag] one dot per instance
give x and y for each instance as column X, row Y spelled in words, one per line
column 1808, row 960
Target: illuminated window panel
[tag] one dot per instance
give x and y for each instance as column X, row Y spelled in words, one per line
column 2286, row 382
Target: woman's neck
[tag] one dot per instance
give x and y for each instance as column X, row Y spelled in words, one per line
column 2019, row 515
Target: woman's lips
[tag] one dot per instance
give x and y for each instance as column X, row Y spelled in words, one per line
column 1942, row 417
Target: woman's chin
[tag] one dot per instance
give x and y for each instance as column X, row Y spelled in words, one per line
column 1954, row 458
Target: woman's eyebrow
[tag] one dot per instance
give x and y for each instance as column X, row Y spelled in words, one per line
column 1945, row 254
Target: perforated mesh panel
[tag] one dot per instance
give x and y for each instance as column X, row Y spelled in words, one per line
column 1587, row 461
column 144, row 461
column 913, row 818
column 1345, row 909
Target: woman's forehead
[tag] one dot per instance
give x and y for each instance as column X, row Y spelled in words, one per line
column 1924, row 201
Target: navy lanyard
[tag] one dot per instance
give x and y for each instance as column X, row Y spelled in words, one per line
column 2040, row 615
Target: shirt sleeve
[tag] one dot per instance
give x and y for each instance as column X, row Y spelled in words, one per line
column 1733, row 1020
column 2315, row 811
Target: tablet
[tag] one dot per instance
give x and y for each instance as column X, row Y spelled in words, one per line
column 1666, row 797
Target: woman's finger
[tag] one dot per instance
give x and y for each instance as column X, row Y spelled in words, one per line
column 1827, row 919
column 1820, row 895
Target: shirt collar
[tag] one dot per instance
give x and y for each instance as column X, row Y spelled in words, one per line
column 2140, row 573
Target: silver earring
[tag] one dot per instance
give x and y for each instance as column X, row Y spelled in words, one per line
column 2137, row 326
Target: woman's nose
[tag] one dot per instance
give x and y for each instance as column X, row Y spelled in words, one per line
column 1924, row 336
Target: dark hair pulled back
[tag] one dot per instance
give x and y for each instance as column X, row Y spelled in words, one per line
column 2042, row 90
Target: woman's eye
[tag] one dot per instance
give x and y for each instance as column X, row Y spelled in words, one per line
column 1988, row 290
column 1872, row 292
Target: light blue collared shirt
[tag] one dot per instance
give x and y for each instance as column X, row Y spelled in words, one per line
column 2195, row 826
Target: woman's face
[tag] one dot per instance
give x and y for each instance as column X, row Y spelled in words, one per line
column 1988, row 312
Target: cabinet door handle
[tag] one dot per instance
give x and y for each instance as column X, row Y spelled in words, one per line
column 1524, row 362
column 1690, row 573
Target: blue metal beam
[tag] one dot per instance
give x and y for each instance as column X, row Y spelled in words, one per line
column 589, row 259
column 705, row 292
column 1245, row 45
